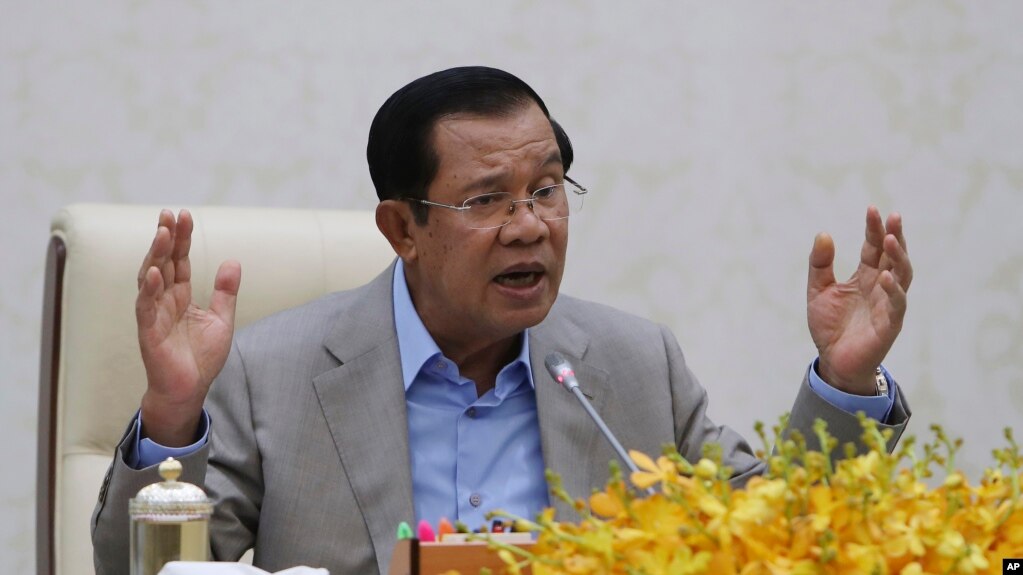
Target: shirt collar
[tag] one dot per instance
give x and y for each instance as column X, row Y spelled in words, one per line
column 415, row 344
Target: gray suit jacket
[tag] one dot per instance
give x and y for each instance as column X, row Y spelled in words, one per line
column 308, row 454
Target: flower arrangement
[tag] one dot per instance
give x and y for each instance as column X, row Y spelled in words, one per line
column 871, row 513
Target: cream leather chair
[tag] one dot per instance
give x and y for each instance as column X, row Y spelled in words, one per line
column 91, row 376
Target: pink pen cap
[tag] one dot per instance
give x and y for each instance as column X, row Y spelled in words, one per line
column 425, row 532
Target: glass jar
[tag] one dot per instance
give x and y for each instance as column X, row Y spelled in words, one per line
column 170, row 521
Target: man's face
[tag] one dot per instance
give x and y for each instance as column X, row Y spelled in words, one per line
column 476, row 287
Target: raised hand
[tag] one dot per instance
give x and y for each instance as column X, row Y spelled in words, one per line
column 854, row 323
column 183, row 346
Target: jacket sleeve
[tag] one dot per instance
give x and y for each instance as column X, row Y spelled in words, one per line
column 110, row 521
column 693, row 428
column 227, row 467
column 842, row 425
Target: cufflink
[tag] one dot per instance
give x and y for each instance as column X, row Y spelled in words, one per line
column 881, row 381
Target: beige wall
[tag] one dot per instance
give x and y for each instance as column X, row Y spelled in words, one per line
column 717, row 138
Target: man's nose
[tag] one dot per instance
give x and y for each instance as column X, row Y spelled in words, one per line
column 525, row 226
column 516, row 203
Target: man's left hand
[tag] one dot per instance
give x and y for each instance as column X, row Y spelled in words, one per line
column 854, row 323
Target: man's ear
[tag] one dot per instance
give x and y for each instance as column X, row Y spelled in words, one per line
column 394, row 220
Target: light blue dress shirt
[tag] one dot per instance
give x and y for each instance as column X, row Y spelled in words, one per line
column 473, row 454
column 470, row 454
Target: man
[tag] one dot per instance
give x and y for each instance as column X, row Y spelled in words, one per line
column 422, row 394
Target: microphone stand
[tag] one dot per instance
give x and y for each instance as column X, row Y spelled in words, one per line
column 563, row 373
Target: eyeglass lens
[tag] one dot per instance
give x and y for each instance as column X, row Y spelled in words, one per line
column 549, row 203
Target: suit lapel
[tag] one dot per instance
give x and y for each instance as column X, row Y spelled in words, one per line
column 363, row 401
column 570, row 440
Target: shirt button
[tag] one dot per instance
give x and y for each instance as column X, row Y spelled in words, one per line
column 471, row 412
column 475, row 500
column 439, row 366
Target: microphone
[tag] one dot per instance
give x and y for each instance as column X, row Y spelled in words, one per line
column 564, row 374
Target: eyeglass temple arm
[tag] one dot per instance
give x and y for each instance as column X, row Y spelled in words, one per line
column 575, row 183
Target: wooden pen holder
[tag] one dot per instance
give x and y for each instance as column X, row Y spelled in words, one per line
column 412, row 557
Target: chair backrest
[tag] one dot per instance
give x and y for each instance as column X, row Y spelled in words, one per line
column 91, row 375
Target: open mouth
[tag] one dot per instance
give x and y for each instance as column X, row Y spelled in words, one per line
column 518, row 279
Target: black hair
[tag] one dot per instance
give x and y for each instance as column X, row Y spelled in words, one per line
column 402, row 161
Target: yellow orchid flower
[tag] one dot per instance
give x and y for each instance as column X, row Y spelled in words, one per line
column 652, row 473
column 872, row 513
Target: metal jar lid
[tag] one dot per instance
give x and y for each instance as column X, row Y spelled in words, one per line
column 170, row 500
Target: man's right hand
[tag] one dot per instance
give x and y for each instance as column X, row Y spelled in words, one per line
column 183, row 346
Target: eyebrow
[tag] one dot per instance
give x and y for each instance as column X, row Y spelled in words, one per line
column 485, row 182
column 553, row 158
column 496, row 178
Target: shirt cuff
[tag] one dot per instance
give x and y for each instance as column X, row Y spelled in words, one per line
column 875, row 407
column 146, row 452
